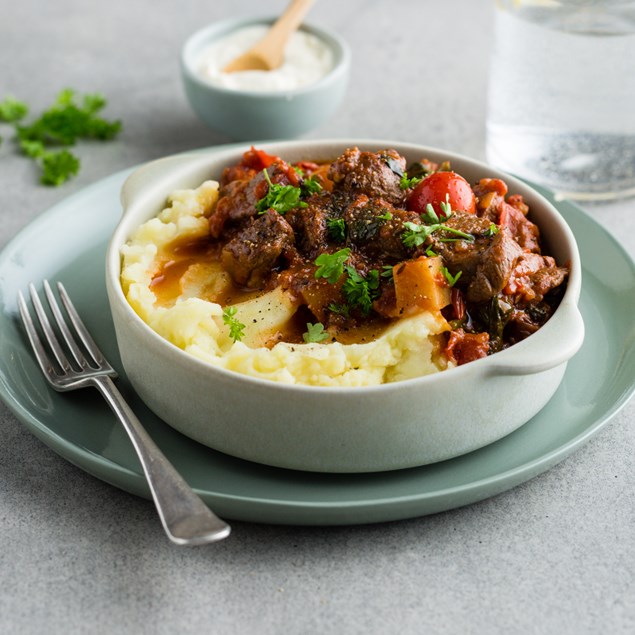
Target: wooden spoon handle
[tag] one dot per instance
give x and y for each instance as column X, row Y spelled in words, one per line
column 285, row 25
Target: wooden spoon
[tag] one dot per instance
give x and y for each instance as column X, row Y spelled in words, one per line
column 268, row 54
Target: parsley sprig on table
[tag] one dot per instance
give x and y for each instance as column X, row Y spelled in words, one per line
column 69, row 119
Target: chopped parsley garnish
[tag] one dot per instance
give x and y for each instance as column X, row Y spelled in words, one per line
column 415, row 235
column 386, row 216
column 431, row 253
column 236, row 328
column 340, row 309
column 492, row 230
column 63, row 124
column 280, row 198
column 406, row 183
column 331, row 266
column 315, row 333
column 310, row 186
column 387, row 271
column 445, row 206
column 452, row 280
column 430, row 215
column 336, row 228
column 360, row 291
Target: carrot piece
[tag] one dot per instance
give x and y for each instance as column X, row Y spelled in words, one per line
column 420, row 286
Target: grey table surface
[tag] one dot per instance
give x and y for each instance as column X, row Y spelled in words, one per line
column 555, row 555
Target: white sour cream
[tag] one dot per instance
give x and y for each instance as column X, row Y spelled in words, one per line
column 307, row 60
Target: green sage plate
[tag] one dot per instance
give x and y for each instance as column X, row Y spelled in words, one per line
column 68, row 243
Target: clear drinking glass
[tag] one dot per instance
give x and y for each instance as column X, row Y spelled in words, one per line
column 561, row 108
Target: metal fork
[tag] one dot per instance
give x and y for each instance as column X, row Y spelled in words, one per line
column 185, row 518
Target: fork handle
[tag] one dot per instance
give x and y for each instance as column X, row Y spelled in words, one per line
column 185, row 517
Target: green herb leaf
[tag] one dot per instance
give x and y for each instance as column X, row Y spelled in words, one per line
column 446, row 208
column 452, row 280
column 339, row 309
column 315, row 333
column 66, row 121
column 360, row 291
column 415, row 235
column 12, row 110
column 65, row 97
column 310, row 186
column 236, row 328
column 33, row 149
column 337, row 229
column 492, row 230
column 386, row 216
column 387, row 271
column 430, row 215
column 280, row 198
column 406, row 183
column 93, row 103
column 331, row 266
column 58, row 167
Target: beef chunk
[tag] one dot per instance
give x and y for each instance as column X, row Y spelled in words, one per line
column 310, row 224
column 494, row 268
column 513, row 217
column 376, row 228
column 238, row 172
column 533, row 277
column 486, row 263
column 462, row 255
column 238, row 198
column 253, row 253
column 376, row 174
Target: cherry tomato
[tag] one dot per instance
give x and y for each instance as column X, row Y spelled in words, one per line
column 258, row 159
column 435, row 188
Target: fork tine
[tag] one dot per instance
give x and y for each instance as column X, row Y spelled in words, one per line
column 47, row 330
column 36, row 343
column 78, row 355
column 82, row 331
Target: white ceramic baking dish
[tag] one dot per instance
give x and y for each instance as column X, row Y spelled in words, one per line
column 362, row 429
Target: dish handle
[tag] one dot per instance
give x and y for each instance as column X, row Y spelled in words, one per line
column 547, row 348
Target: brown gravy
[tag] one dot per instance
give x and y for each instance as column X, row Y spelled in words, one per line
column 183, row 255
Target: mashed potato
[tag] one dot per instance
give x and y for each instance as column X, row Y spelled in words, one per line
column 407, row 348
